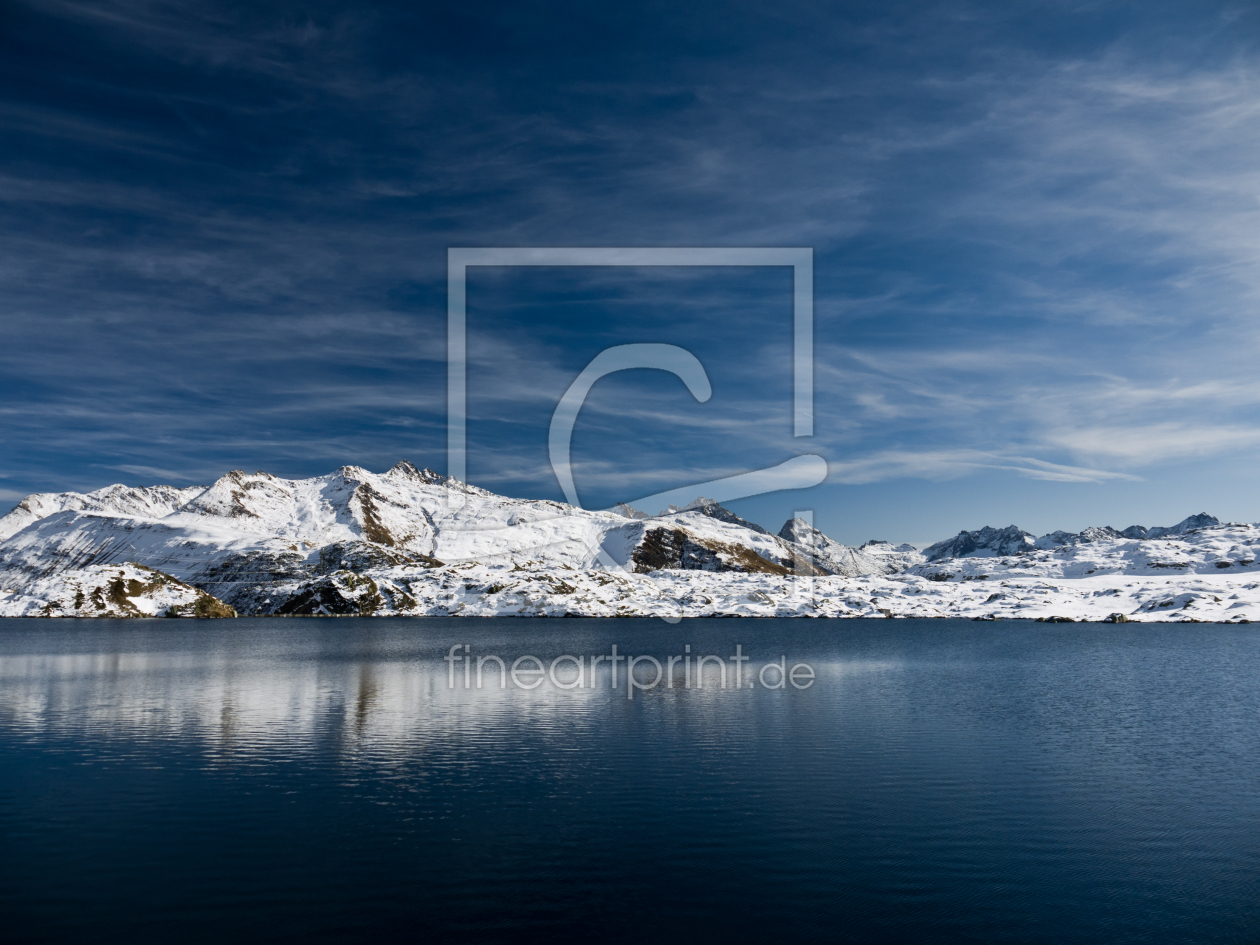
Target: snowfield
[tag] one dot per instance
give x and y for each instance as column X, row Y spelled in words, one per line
column 127, row 590
column 412, row 542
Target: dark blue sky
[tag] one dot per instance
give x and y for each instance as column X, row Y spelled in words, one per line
column 1036, row 230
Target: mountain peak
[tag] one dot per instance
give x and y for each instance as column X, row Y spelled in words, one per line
column 830, row 554
column 710, row 508
column 404, row 469
column 1136, row 532
column 629, row 511
column 1188, row 524
column 986, row 542
column 881, row 547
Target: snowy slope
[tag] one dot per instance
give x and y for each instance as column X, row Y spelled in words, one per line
column 123, row 591
column 833, row 556
column 151, row 502
column 409, row 541
column 1211, row 575
column 1211, row 550
column 249, row 536
column 896, row 557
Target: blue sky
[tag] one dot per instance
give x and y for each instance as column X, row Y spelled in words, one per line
column 1036, row 231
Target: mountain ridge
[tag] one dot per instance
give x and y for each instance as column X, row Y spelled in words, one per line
column 402, row 541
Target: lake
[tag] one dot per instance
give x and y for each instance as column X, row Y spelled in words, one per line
column 331, row 780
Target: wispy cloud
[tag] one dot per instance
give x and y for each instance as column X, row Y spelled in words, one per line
column 1142, row 445
column 950, row 464
column 1036, row 257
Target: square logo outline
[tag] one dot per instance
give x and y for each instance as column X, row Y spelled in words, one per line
column 800, row 259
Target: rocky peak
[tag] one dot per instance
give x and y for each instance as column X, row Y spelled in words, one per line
column 798, row 530
column 711, row 509
column 877, row 546
column 629, row 511
column 1135, row 532
column 829, row 554
column 239, row 495
column 1202, row 520
column 146, row 502
column 1059, row 539
column 403, row 469
column 986, row 542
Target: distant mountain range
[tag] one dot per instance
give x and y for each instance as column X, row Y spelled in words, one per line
column 411, row 541
column 994, row 542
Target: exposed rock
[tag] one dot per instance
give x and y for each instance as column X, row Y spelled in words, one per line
column 711, row 509
column 355, row 542
column 987, row 542
column 1133, row 532
column 877, row 547
column 340, row 594
column 1093, row 533
column 127, row 590
column 405, row 470
column 629, row 511
column 362, row 556
column 1185, row 526
column 675, row 548
column 832, row 556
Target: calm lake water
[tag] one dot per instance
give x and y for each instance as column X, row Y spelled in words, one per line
column 318, row 780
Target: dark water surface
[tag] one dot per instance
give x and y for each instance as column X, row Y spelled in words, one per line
column 316, row 780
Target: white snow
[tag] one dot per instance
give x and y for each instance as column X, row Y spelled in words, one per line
column 409, row 541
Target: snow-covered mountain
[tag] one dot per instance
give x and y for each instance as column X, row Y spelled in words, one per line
column 263, row 544
column 898, row 557
column 990, row 542
column 1087, row 535
column 877, row 547
column 1107, row 533
column 1184, row 527
column 126, row 590
column 151, row 502
column 984, row 543
column 835, row 557
column 410, row 541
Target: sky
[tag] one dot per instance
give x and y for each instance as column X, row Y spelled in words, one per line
column 1035, row 226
